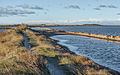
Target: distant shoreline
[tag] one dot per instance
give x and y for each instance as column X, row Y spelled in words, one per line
column 45, row 25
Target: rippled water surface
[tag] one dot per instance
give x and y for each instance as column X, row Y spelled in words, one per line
column 91, row 29
column 1, row 30
column 102, row 52
column 37, row 29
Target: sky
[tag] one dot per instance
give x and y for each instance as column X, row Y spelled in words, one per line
column 60, row 12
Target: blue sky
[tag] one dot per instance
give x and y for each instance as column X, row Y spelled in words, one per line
column 59, row 11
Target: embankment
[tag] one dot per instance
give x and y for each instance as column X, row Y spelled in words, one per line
column 15, row 58
column 97, row 36
column 71, row 63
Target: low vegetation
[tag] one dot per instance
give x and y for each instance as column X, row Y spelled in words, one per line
column 80, row 65
column 17, row 60
column 72, row 64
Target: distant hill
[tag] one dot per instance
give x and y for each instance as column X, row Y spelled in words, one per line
column 92, row 25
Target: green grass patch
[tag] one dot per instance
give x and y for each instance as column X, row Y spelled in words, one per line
column 23, row 51
column 47, row 52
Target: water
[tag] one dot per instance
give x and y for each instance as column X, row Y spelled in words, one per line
column 37, row 29
column 102, row 52
column 1, row 30
column 115, row 31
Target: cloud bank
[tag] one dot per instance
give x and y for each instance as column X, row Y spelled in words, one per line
column 97, row 8
column 65, row 21
column 112, row 6
column 11, row 12
column 73, row 6
column 26, row 6
column 105, row 6
column 90, row 20
column 15, row 10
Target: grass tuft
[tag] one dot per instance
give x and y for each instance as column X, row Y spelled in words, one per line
column 15, row 58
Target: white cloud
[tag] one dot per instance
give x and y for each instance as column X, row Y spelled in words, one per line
column 11, row 12
column 118, row 19
column 26, row 6
column 66, row 21
column 73, row 6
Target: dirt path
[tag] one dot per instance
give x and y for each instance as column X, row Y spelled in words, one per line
column 52, row 66
column 26, row 42
column 55, row 69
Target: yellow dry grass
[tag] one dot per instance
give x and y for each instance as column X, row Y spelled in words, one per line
column 15, row 59
column 41, row 44
column 81, row 65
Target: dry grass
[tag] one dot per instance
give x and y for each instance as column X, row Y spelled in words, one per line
column 78, row 65
column 41, row 44
column 15, row 58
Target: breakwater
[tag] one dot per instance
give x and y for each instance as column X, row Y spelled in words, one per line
column 97, row 36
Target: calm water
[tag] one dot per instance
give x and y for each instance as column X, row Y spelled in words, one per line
column 115, row 31
column 37, row 29
column 102, row 52
column 1, row 30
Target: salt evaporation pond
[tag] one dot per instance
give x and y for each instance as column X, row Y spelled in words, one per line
column 103, row 52
column 115, row 31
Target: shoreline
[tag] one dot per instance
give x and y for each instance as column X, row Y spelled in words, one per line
column 49, row 50
column 56, row 42
column 95, row 36
column 66, row 48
